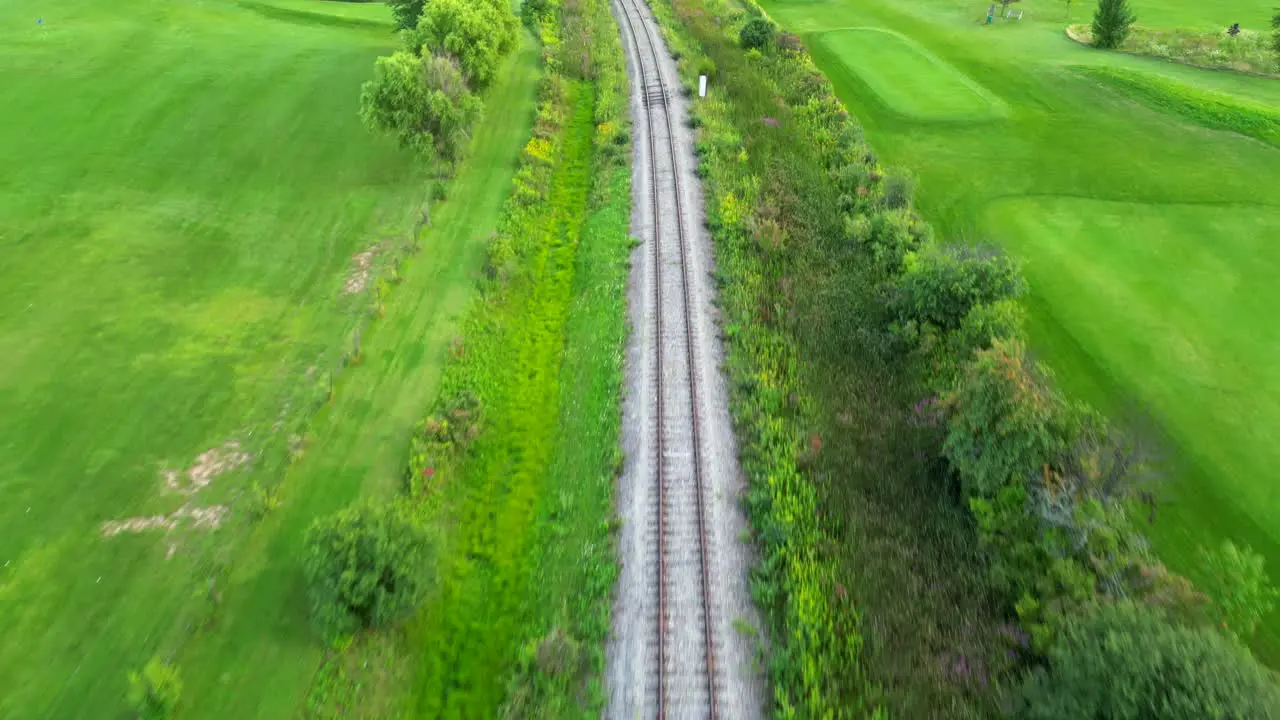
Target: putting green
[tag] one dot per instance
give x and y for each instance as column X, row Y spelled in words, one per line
column 909, row 79
column 1177, row 302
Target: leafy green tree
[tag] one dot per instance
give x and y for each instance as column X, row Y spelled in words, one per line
column 1129, row 662
column 1006, row 423
column 1238, row 586
column 155, row 691
column 1111, row 23
column 532, row 11
column 423, row 101
column 941, row 285
column 478, row 34
column 406, row 12
column 1275, row 24
column 757, row 34
column 366, row 566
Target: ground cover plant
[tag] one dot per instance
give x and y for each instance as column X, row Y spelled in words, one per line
column 1144, row 268
column 1248, row 51
column 263, row 231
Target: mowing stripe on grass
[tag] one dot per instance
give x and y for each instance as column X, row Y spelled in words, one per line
column 1215, row 111
column 908, row 78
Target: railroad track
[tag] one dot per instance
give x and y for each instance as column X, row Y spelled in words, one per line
column 684, row 669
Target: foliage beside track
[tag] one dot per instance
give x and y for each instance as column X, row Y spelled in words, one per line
column 814, row 629
column 516, row 465
column 1050, row 485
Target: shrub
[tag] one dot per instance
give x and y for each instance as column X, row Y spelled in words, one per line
column 757, row 34
column 1127, row 661
column 366, row 566
column 155, row 691
column 942, row 285
column 478, row 34
column 406, row 12
column 1006, row 424
column 1111, row 23
column 1238, row 586
column 532, row 12
column 1275, row 24
column 423, row 101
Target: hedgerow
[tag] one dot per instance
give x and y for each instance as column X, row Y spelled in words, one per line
column 796, row 197
column 506, row 461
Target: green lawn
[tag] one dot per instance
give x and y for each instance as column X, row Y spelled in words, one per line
column 183, row 187
column 1145, row 227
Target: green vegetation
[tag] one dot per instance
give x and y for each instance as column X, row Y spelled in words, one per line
column 908, row 78
column 1208, row 109
column 1125, row 662
column 757, row 34
column 1239, row 589
column 1111, row 23
column 514, row 468
column 156, row 691
column 202, row 257
column 1055, row 492
column 423, row 100
column 366, row 566
column 1140, row 233
column 1249, row 52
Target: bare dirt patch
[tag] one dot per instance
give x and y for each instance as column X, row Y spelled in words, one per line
column 208, row 465
column 361, row 271
column 202, row 518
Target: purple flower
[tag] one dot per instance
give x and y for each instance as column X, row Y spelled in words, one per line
column 771, row 122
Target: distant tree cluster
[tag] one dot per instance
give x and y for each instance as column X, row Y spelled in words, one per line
column 424, row 95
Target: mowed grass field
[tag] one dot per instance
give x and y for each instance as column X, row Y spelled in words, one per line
column 188, row 203
column 1147, row 234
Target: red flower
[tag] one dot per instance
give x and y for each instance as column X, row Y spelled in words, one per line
column 428, row 472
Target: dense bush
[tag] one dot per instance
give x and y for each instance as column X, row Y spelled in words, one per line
column 1111, row 23
column 155, row 691
column 1241, row 594
column 423, row 101
column 940, row 287
column 1126, row 661
column 1275, row 40
column 478, row 34
column 757, row 34
column 406, row 12
column 366, row 566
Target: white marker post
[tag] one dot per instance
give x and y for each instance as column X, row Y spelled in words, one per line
column 702, row 86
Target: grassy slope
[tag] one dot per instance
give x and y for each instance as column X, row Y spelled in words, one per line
column 261, row 660
column 1161, row 191
column 182, row 186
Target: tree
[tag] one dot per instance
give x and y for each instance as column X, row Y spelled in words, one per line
column 154, row 691
column 423, row 101
column 406, row 12
column 1126, row 661
column 366, row 566
column 756, row 34
column 478, row 34
column 1275, row 24
column 1237, row 583
column 941, row 285
column 1111, row 23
